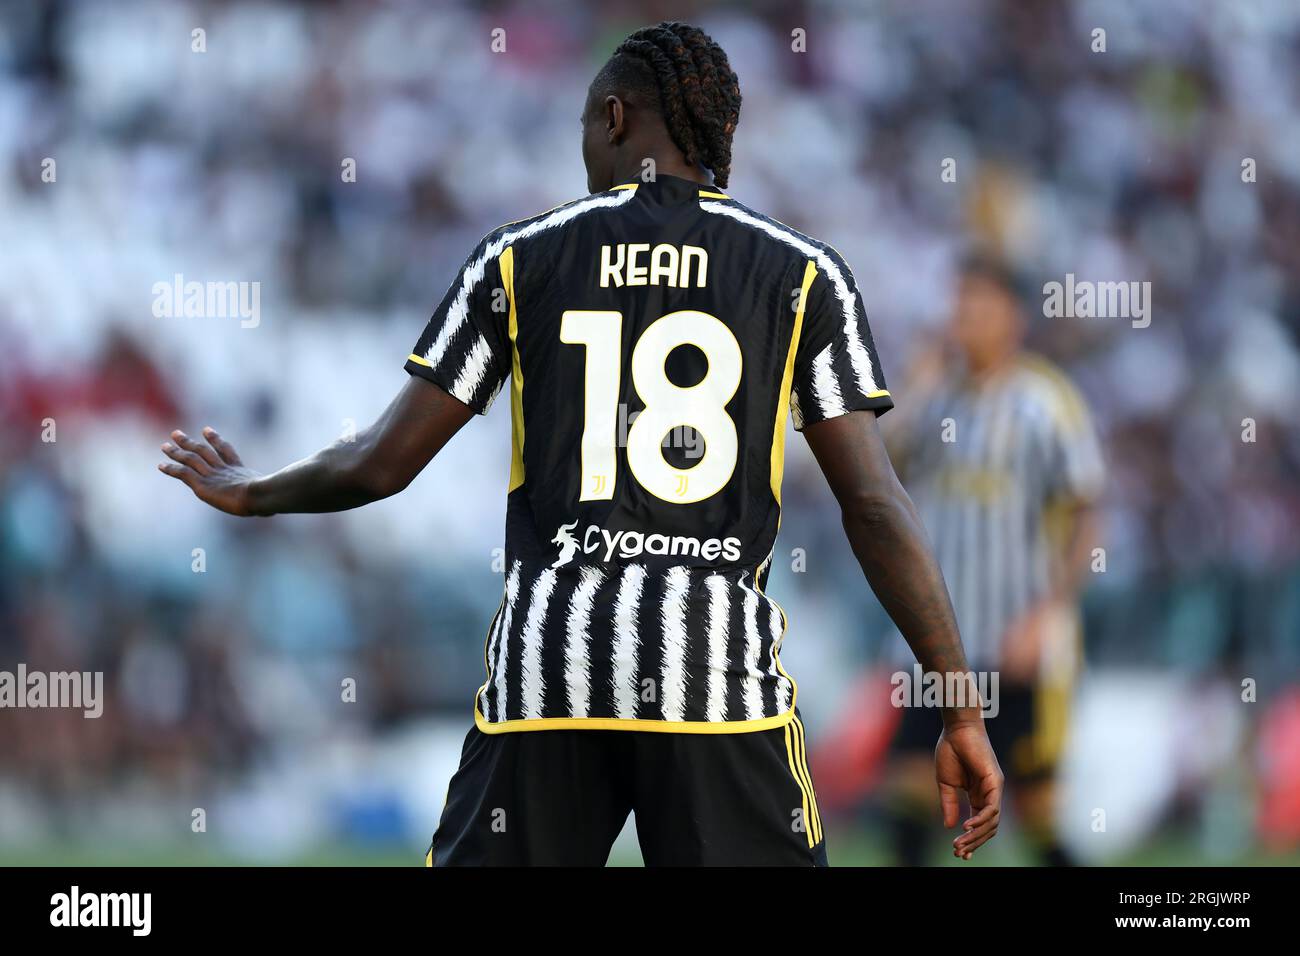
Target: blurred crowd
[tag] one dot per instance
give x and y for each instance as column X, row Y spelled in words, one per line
column 1170, row 156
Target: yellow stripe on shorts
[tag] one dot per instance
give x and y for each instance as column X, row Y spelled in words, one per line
column 794, row 747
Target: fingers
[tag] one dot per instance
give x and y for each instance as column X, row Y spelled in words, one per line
column 203, row 450
column 966, row 844
column 950, row 803
column 990, row 812
column 982, row 825
column 179, row 472
column 979, row 830
column 187, row 458
column 223, row 447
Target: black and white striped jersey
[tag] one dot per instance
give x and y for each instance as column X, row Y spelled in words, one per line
column 985, row 463
column 654, row 338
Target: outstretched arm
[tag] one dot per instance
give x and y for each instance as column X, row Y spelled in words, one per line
column 890, row 544
column 380, row 461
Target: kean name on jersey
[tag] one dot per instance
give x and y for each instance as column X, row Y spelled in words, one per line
column 635, row 263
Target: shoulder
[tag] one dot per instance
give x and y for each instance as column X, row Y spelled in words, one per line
column 771, row 228
column 558, row 216
column 831, row 266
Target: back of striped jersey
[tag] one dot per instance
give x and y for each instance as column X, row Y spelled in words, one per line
column 653, row 341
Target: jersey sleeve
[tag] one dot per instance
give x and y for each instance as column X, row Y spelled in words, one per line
column 836, row 370
column 465, row 347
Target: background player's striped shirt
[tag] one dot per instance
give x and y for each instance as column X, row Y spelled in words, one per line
column 654, row 340
column 1020, row 444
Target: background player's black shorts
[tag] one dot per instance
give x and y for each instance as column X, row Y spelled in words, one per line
column 560, row 797
column 1027, row 734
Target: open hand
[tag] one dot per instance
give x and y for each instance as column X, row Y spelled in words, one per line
column 212, row 469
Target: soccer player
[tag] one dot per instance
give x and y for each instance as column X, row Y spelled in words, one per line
column 1001, row 456
column 633, row 665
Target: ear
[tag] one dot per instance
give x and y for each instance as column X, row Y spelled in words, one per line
column 614, row 119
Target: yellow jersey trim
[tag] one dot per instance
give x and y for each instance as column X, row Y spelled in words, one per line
column 487, row 664
column 704, row 194
column 524, row 725
column 632, row 723
column 419, row 361
column 787, row 382
column 506, row 262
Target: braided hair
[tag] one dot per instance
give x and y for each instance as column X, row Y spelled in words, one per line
column 685, row 77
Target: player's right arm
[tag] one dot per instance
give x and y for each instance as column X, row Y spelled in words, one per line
column 458, row 365
column 380, row 461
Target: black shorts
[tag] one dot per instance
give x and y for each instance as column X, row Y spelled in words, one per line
column 561, row 797
column 1027, row 734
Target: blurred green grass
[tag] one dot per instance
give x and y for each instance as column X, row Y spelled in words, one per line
column 849, row 845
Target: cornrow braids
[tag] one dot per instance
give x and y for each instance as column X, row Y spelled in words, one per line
column 698, row 94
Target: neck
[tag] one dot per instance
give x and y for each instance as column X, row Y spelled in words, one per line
column 668, row 162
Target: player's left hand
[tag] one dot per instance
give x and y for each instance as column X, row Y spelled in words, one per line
column 212, row 470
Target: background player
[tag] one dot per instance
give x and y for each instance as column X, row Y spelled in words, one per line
column 639, row 670
column 1001, row 457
